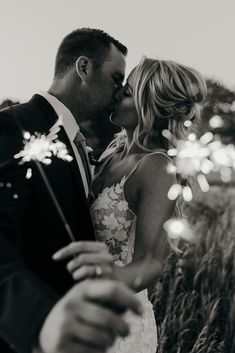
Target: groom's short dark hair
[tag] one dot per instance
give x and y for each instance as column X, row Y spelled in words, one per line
column 93, row 43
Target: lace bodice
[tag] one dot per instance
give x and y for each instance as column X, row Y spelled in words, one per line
column 114, row 222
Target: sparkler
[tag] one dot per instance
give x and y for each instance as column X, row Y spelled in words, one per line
column 198, row 157
column 178, row 229
column 191, row 158
column 41, row 148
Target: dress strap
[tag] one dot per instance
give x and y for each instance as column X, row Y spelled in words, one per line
column 142, row 159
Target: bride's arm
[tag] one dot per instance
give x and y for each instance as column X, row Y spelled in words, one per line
column 152, row 211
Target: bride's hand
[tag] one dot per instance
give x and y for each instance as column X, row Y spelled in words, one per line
column 87, row 259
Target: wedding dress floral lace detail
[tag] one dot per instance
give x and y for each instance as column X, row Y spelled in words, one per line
column 115, row 224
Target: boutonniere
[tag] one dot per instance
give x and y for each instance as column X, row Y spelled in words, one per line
column 92, row 158
column 89, row 149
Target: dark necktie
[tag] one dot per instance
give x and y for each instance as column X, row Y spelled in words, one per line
column 80, row 143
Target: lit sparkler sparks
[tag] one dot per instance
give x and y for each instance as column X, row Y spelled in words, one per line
column 178, row 228
column 198, row 157
column 41, row 148
column 216, row 122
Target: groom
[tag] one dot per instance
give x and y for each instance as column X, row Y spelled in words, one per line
column 89, row 68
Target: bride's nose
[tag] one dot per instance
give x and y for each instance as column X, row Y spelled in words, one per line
column 119, row 94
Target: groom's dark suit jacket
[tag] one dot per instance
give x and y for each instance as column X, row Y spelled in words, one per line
column 30, row 228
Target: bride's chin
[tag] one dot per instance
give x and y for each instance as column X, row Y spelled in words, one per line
column 113, row 120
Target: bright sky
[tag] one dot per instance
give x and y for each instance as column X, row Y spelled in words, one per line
column 200, row 33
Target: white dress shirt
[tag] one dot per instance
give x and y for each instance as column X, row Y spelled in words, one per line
column 71, row 128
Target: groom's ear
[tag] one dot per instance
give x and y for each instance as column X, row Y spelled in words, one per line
column 84, row 68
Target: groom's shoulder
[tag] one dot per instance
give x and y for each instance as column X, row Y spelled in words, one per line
column 16, row 110
column 9, row 115
column 19, row 114
column 13, row 121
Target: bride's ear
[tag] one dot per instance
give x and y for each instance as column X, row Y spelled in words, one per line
column 84, row 68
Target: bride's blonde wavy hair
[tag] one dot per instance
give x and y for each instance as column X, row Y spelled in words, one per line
column 166, row 95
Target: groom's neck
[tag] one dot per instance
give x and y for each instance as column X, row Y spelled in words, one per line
column 65, row 94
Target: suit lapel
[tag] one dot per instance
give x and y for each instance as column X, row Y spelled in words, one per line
column 52, row 117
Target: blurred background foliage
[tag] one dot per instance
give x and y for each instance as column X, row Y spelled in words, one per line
column 220, row 101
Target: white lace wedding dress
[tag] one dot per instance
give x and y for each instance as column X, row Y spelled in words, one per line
column 114, row 224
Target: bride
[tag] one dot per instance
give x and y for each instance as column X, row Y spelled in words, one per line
column 130, row 189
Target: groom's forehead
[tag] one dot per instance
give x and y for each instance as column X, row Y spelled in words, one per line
column 115, row 61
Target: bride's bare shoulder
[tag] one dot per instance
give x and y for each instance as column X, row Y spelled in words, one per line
column 153, row 169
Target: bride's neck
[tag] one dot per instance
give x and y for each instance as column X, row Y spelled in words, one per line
column 129, row 135
column 129, row 150
column 130, row 146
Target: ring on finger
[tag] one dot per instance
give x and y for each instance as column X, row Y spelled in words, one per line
column 98, row 271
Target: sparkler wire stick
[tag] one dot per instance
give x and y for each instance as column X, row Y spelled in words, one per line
column 55, row 201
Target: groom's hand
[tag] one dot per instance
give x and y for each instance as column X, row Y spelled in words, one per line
column 84, row 256
column 88, row 318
